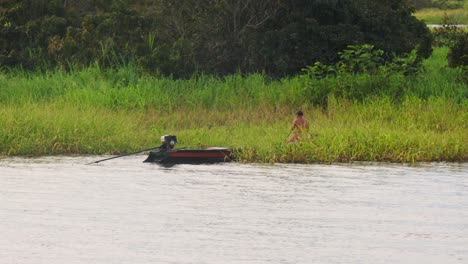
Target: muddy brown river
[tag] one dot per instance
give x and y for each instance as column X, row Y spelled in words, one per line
column 60, row 210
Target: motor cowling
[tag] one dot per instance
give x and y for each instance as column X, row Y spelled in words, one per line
column 168, row 142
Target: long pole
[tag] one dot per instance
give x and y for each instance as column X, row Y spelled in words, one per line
column 123, row 155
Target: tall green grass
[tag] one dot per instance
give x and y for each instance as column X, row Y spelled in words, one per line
column 126, row 89
column 376, row 130
column 439, row 16
column 382, row 117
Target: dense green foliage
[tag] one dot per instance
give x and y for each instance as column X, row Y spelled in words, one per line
column 448, row 34
column 458, row 54
column 366, row 59
column 378, row 115
column 103, row 76
column 182, row 37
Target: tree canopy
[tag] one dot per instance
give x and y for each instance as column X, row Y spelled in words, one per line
column 176, row 37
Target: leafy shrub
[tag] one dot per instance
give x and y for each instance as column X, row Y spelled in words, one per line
column 363, row 58
column 407, row 65
column 464, row 74
column 366, row 59
column 361, row 72
column 447, row 34
column 458, row 53
column 320, row 70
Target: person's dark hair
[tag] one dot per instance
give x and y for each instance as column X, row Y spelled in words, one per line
column 299, row 113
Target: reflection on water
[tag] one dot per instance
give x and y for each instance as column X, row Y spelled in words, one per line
column 59, row 210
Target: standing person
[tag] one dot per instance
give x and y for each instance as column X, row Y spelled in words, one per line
column 299, row 124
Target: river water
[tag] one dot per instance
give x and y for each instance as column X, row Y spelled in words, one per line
column 60, row 210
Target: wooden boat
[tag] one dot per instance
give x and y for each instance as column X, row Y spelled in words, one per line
column 190, row 156
column 168, row 155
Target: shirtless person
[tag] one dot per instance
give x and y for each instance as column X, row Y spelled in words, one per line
column 299, row 124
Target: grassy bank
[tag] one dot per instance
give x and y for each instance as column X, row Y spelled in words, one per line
column 438, row 16
column 399, row 118
column 416, row 130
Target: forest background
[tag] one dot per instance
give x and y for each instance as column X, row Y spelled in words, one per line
column 100, row 76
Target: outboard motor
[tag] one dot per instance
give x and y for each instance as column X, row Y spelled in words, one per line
column 168, row 142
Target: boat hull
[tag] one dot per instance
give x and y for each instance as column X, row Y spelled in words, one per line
column 198, row 156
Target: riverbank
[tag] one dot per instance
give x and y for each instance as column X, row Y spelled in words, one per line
column 378, row 130
column 400, row 119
